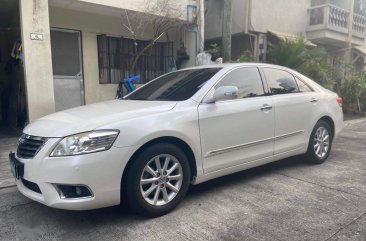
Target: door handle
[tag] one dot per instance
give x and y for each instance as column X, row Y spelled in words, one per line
column 266, row 107
column 314, row 100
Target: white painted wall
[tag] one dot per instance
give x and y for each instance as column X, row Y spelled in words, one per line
column 282, row 15
column 139, row 5
column 91, row 25
column 213, row 26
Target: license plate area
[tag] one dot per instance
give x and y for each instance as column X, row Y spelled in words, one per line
column 16, row 167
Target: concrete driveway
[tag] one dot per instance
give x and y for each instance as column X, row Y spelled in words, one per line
column 286, row 200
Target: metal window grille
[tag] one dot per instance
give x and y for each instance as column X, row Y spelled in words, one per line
column 115, row 58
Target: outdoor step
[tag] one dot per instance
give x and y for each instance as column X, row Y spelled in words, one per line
column 8, row 140
column 4, row 164
column 5, row 153
column 8, row 182
column 6, row 148
column 8, row 143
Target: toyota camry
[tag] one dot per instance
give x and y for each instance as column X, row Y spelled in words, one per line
column 183, row 128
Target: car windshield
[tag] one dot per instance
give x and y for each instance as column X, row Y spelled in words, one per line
column 175, row 86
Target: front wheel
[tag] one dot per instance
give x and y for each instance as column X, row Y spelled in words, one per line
column 320, row 143
column 157, row 180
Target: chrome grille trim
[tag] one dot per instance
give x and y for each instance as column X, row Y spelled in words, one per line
column 29, row 146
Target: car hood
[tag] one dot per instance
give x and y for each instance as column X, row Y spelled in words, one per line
column 90, row 117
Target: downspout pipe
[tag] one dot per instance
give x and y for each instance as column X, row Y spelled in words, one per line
column 247, row 19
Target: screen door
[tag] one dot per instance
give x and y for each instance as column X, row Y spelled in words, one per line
column 67, row 68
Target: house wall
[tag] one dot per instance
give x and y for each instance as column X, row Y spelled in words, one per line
column 346, row 4
column 139, row 5
column 214, row 15
column 265, row 15
column 91, row 25
column 283, row 15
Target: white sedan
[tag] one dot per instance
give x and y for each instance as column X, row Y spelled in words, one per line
column 185, row 127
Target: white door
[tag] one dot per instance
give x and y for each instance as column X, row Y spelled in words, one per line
column 293, row 109
column 237, row 131
column 67, row 68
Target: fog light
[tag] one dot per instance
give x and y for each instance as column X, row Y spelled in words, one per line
column 73, row 191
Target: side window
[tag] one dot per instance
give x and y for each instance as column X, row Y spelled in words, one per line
column 303, row 87
column 248, row 81
column 280, row 82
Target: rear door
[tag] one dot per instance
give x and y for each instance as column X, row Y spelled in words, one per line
column 67, row 68
column 237, row 131
column 293, row 107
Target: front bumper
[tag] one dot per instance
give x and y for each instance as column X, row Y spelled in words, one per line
column 101, row 172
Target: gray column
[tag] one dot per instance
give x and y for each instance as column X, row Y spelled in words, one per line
column 34, row 21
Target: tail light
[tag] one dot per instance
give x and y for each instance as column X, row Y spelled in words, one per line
column 339, row 101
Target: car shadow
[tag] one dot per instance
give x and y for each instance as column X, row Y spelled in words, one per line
column 74, row 220
column 246, row 175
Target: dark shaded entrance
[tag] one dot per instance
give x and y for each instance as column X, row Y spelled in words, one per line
column 13, row 110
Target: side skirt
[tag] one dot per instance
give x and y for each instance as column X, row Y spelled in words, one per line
column 245, row 166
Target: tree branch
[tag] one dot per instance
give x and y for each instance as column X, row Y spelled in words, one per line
column 144, row 50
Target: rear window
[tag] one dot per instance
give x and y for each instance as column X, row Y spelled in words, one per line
column 280, row 82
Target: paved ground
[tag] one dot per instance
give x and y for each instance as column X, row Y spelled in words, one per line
column 8, row 141
column 287, row 200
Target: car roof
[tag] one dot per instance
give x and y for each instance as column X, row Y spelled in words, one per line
column 233, row 65
column 229, row 66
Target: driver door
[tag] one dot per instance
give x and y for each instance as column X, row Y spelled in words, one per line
column 237, row 131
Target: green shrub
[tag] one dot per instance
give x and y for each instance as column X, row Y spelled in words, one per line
column 353, row 92
column 310, row 61
column 246, row 56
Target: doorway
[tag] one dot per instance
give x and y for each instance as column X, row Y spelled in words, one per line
column 67, row 68
column 13, row 108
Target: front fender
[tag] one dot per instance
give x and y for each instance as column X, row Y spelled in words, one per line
column 181, row 123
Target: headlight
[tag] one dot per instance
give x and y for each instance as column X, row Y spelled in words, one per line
column 84, row 143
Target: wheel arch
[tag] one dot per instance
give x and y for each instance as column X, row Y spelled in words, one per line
column 330, row 122
column 164, row 139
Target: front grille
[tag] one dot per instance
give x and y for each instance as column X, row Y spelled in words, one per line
column 29, row 146
column 32, row 186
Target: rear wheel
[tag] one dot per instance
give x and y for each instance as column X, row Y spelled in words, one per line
column 320, row 143
column 157, row 180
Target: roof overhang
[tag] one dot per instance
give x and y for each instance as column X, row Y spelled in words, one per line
column 360, row 53
column 290, row 37
column 360, row 50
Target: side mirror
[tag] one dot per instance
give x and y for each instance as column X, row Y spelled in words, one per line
column 225, row 93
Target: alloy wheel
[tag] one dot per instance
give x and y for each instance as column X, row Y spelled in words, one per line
column 161, row 179
column 321, row 142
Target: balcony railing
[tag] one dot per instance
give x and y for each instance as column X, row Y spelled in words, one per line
column 359, row 24
column 335, row 18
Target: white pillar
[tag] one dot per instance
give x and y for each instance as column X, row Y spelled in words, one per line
column 38, row 75
column 202, row 25
column 191, row 45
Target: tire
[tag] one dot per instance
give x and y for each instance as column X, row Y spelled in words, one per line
column 319, row 148
column 157, row 186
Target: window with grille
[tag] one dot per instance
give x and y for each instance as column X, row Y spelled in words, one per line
column 115, row 56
